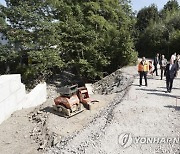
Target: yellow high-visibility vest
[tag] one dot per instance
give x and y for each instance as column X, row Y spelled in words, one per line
column 144, row 67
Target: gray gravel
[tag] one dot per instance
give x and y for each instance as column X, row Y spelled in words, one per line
column 143, row 111
column 115, row 82
column 89, row 138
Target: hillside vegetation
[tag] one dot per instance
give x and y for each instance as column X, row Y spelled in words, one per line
column 88, row 38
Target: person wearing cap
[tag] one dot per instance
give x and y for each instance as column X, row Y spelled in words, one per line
column 143, row 68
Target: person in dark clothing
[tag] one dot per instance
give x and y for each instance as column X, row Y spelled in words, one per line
column 170, row 72
column 162, row 63
column 177, row 62
column 156, row 62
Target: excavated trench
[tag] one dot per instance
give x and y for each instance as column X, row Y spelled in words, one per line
column 91, row 133
column 79, row 140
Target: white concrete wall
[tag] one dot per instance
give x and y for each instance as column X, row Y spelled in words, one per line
column 8, row 85
column 36, row 97
column 13, row 95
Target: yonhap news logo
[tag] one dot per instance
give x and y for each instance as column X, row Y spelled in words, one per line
column 127, row 139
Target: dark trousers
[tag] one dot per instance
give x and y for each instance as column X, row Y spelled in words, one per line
column 155, row 70
column 169, row 83
column 143, row 74
column 162, row 72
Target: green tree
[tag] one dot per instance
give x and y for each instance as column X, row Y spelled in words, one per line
column 145, row 16
column 7, row 56
column 172, row 23
column 86, row 36
column 93, row 27
column 152, row 41
column 170, row 7
column 161, row 35
column 174, row 42
column 31, row 30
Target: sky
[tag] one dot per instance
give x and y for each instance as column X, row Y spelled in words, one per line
column 2, row 2
column 137, row 4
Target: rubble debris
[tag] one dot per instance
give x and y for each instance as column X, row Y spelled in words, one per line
column 113, row 83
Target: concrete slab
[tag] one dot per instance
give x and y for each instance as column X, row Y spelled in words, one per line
column 13, row 95
column 36, row 97
column 8, row 85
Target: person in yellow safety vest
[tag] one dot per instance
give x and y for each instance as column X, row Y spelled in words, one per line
column 143, row 68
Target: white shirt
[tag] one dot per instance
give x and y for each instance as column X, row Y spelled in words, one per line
column 170, row 66
column 173, row 57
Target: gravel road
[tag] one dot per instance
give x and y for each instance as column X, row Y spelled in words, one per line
column 146, row 121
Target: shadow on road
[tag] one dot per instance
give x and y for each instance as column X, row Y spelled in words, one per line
column 177, row 108
column 162, row 87
column 166, row 95
column 176, row 88
column 153, row 90
column 172, row 88
column 177, row 78
column 51, row 110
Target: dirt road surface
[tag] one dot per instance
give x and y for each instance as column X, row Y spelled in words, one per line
column 136, row 120
column 125, row 125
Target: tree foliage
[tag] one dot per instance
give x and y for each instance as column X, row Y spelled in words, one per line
column 160, row 35
column 145, row 16
column 86, row 36
column 170, row 7
column 90, row 38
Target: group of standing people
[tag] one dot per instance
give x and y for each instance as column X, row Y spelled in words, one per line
column 169, row 70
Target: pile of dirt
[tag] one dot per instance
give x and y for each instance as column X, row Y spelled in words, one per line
column 115, row 82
